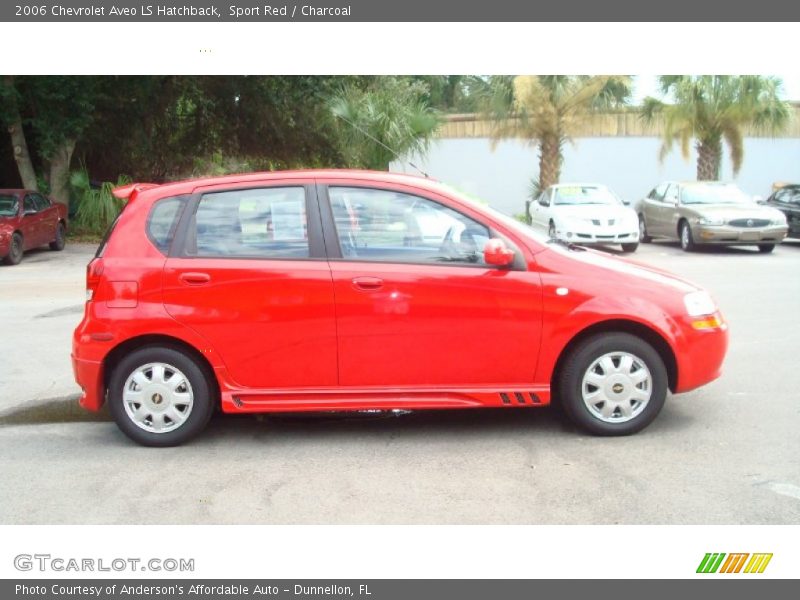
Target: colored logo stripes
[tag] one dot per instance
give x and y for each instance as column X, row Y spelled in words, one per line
column 734, row 563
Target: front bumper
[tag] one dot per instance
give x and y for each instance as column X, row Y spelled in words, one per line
column 5, row 245
column 599, row 237
column 700, row 356
column 725, row 234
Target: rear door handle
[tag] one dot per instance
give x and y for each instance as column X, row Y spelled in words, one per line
column 195, row 278
column 367, row 283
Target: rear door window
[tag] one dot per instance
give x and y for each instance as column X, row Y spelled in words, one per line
column 253, row 223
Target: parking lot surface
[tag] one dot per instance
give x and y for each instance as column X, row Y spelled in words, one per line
column 725, row 454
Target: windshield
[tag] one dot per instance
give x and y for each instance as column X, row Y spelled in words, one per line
column 713, row 194
column 9, row 205
column 583, row 194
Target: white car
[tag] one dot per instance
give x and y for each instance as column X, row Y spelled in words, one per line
column 586, row 213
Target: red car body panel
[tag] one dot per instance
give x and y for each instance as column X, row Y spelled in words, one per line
column 37, row 229
column 335, row 334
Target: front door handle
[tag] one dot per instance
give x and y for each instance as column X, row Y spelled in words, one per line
column 195, row 278
column 367, row 284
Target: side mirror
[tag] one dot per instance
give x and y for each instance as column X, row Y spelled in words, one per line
column 496, row 253
column 543, row 201
column 626, row 202
column 759, row 200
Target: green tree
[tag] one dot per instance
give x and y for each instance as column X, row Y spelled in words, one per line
column 546, row 110
column 715, row 108
column 54, row 111
column 386, row 119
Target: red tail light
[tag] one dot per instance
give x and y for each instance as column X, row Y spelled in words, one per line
column 94, row 272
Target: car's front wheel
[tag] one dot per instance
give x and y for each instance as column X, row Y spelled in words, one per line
column 160, row 396
column 613, row 384
column 766, row 248
column 15, row 250
column 630, row 247
column 687, row 240
column 551, row 230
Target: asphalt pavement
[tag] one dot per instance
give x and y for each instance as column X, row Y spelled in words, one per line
column 728, row 453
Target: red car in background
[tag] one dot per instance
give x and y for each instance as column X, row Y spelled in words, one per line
column 29, row 220
column 344, row 290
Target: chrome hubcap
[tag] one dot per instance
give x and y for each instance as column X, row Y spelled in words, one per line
column 642, row 229
column 685, row 236
column 158, row 397
column 617, row 387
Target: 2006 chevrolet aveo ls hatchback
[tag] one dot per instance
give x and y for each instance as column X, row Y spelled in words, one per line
column 352, row 290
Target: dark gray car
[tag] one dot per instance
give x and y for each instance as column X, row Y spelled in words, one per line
column 708, row 212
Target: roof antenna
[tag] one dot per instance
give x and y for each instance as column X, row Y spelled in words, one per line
column 377, row 141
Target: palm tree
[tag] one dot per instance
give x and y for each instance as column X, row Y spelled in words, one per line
column 715, row 108
column 546, row 111
column 386, row 120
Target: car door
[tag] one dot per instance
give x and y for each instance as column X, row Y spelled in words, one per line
column 652, row 209
column 250, row 275
column 787, row 200
column 48, row 218
column 31, row 223
column 540, row 215
column 417, row 314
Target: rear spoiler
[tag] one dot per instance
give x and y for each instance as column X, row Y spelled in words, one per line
column 130, row 191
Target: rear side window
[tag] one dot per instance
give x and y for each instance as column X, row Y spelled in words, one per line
column 163, row 221
column 41, row 202
column 253, row 223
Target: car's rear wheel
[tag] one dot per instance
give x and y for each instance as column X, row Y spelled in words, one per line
column 630, row 247
column 15, row 250
column 613, row 384
column 643, row 237
column 160, row 396
column 766, row 248
column 687, row 240
column 61, row 238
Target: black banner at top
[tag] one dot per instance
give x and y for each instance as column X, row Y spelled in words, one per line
column 397, row 10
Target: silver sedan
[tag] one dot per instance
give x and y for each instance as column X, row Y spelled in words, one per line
column 708, row 212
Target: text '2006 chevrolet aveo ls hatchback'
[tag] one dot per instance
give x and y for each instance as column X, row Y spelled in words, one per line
column 353, row 290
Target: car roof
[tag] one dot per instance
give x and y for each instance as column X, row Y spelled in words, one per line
column 187, row 185
column 579, row 184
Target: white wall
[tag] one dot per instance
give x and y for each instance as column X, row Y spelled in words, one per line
column 628, row 164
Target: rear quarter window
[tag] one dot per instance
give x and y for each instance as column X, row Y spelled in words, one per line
column 163, row 221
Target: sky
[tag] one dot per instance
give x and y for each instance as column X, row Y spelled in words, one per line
column 647, row 85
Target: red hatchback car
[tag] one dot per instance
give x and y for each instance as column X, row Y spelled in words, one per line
column 351, row 290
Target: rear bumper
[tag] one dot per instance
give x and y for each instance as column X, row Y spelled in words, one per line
column 89, row 375
column 708, row 234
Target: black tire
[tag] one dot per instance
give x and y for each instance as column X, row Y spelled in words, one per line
column 551, row 230
column 61, row 238
column 202, row 388
column 15, row 250
column 686, row 237
column 578, row 363
column 643, row 237
column 630, row 247
column 766, row 248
